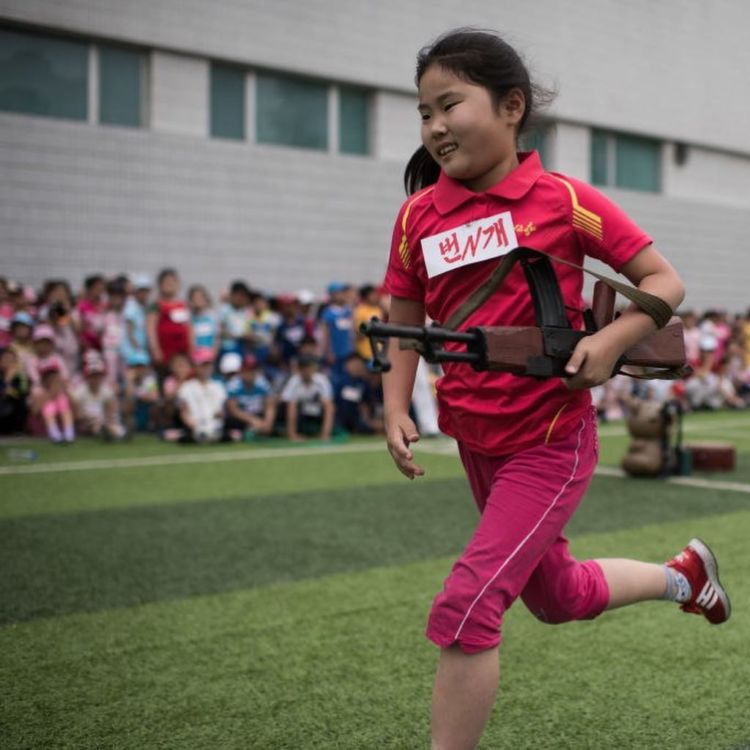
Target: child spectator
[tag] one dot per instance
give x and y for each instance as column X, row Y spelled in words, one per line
column 14, row 393
column 354, row 398
column 141, row 396
column 135, row 339
column 61, row 318
column 337, row 340
column 180, row 371
column 90, row 310
column 203, row 320
column 692, row 334
column 6, row 312
column 251, row 408
column 114, row 333
column 308, row 397
column 293, row 328
column 234, row 319
column 368, row 308
column 94, row 402
column 201, row 401
column 49, row 397
column 168, row 323
column 43, row 354
column 263, row 325
column 21, row 326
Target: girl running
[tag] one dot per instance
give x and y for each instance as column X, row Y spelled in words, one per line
column 529, row 447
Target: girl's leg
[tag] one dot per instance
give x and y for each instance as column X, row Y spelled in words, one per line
column 49, row 414
column 66, row 414
column 632, row 581
column 463, row 696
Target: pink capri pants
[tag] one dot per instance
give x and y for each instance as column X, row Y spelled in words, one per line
column 518, row 548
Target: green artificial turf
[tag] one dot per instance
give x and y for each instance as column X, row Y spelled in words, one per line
column 280, row 603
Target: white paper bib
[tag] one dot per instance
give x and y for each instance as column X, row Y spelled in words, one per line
column 470, row 243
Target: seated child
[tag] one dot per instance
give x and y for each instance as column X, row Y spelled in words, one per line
column 94, row 401
column 168, row 410
column 201, row 400
column 14, row 392
column 308, row 396
column 49, row 397
column 141, row 395
column 354, row 398
column 251, row 407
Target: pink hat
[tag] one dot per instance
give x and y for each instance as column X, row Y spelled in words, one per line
column 203, row 356
column 43, row 331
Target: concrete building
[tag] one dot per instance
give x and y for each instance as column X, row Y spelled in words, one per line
column 266, row 140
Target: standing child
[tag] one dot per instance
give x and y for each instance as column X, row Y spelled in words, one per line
column 168, row 323
column 113, row 334
column 203, row 320
column 529, row 447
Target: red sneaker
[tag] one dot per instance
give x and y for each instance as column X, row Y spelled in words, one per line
column 698, row 564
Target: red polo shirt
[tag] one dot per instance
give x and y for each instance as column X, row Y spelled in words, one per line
column 446, row 241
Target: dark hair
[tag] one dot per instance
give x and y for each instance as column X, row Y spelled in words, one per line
column 166, row 272
column 240, row 287
column 199, row 288
column 90, row 281
column 482, row 58
column 116, row 287
column 366, row 290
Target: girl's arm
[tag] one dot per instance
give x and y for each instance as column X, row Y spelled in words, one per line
column 595, row 356
column 398, row 384
column 153, row 339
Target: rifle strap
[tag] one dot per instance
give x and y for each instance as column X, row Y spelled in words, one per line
column 654, row 306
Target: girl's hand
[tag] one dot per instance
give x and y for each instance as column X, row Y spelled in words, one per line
column 592, row 362
column 400, row 432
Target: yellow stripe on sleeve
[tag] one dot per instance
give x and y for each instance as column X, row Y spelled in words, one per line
column 403, row 248
column 583, row 219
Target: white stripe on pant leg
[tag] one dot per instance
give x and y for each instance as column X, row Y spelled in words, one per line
column 527, row 537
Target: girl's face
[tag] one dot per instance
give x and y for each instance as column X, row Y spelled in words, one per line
column 471, row 139
column 198, row 299
column 169, row 286
column 181, row 367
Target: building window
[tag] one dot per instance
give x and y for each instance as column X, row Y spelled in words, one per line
column 354, row 117
column 291, row 111
column 536, row 139
column 43, row 75
column 227, row 102
column 625, row 161
column 120, row 86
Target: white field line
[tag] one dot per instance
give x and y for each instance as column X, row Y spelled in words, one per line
column 709, row 484
column 189, row 458
column 617, row 430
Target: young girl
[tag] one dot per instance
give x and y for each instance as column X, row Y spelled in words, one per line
column 203, row 320
column 529, row 447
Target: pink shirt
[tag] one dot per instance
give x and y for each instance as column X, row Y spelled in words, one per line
column 499, row 413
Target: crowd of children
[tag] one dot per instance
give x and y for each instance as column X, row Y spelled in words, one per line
column 130, row 354
column 718, row 350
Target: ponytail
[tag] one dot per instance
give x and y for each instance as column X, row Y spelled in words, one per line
column 421, row 171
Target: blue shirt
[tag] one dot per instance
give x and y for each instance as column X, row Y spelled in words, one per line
column 134, row 315
column 205, row 329
column 338, row 318
column 250, row 398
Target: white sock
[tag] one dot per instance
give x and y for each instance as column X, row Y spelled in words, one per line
column 53, row 431
column 678, row 587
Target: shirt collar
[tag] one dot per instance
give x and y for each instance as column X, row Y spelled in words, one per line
column 449, row 194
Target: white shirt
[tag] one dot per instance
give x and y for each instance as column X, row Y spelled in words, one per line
column 203, row 400
column 310, row 396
